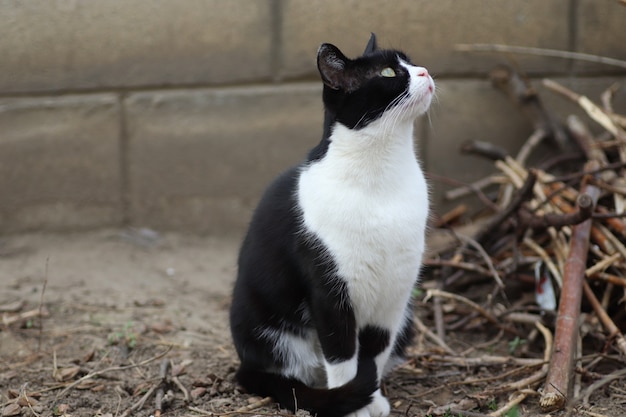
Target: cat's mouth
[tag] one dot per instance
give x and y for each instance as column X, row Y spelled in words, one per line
column 431, row 85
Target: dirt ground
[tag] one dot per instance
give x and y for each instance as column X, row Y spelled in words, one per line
column 133, row 319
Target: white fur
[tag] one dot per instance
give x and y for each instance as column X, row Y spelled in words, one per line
column 367, row 201
column 379, row 406
column 302, row 356
column 341, row 373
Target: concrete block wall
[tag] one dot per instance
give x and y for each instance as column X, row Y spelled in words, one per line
column 176, row 114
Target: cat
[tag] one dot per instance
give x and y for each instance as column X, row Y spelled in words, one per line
column 321, row 304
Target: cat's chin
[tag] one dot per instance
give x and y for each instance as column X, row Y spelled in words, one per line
column 423, row 104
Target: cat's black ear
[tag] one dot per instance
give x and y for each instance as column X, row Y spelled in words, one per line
column 371, row 45
column 331, row 63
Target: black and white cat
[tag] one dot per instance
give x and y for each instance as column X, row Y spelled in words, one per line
column 321, row 305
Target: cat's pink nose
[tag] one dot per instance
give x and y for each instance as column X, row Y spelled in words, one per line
column 422, row 73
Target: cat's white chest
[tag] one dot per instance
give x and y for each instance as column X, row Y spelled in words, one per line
column 375, row 234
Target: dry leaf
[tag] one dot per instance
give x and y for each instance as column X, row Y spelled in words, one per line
column 87, row 384
column 65, row 374
column 89, row 356
column 33, row 394
column 24, row 401
column 12, row 409
column 98, row 388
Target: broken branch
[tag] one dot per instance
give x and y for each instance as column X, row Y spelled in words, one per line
column 558, row 382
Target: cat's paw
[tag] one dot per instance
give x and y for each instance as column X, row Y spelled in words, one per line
column 379, row 407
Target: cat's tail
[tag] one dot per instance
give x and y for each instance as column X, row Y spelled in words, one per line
column 294, row 394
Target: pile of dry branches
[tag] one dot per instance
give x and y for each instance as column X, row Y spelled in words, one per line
column 553, row 244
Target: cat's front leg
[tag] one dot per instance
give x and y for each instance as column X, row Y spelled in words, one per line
column 337, row 332
column 379, row 407
column 340, row 353
column 376, row 342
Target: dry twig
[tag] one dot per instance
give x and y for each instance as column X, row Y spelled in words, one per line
column 608, row 324
column 555, row 53
column 43, row 292
column 8, row 320
column 553, row 216
column 598, row 384
column 558, row 383
column 490, row 317
column 595, row 112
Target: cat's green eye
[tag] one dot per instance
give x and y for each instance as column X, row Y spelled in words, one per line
column 388, row 72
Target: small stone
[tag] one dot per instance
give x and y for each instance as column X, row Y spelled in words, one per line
column 197, row 392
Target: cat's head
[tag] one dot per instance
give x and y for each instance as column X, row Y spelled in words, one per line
column 380, row 83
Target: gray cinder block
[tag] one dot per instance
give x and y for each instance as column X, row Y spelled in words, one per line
column 59, row 163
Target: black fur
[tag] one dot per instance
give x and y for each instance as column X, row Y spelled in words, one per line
column 373, row 340
column 353, row 93
column 329, row 117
